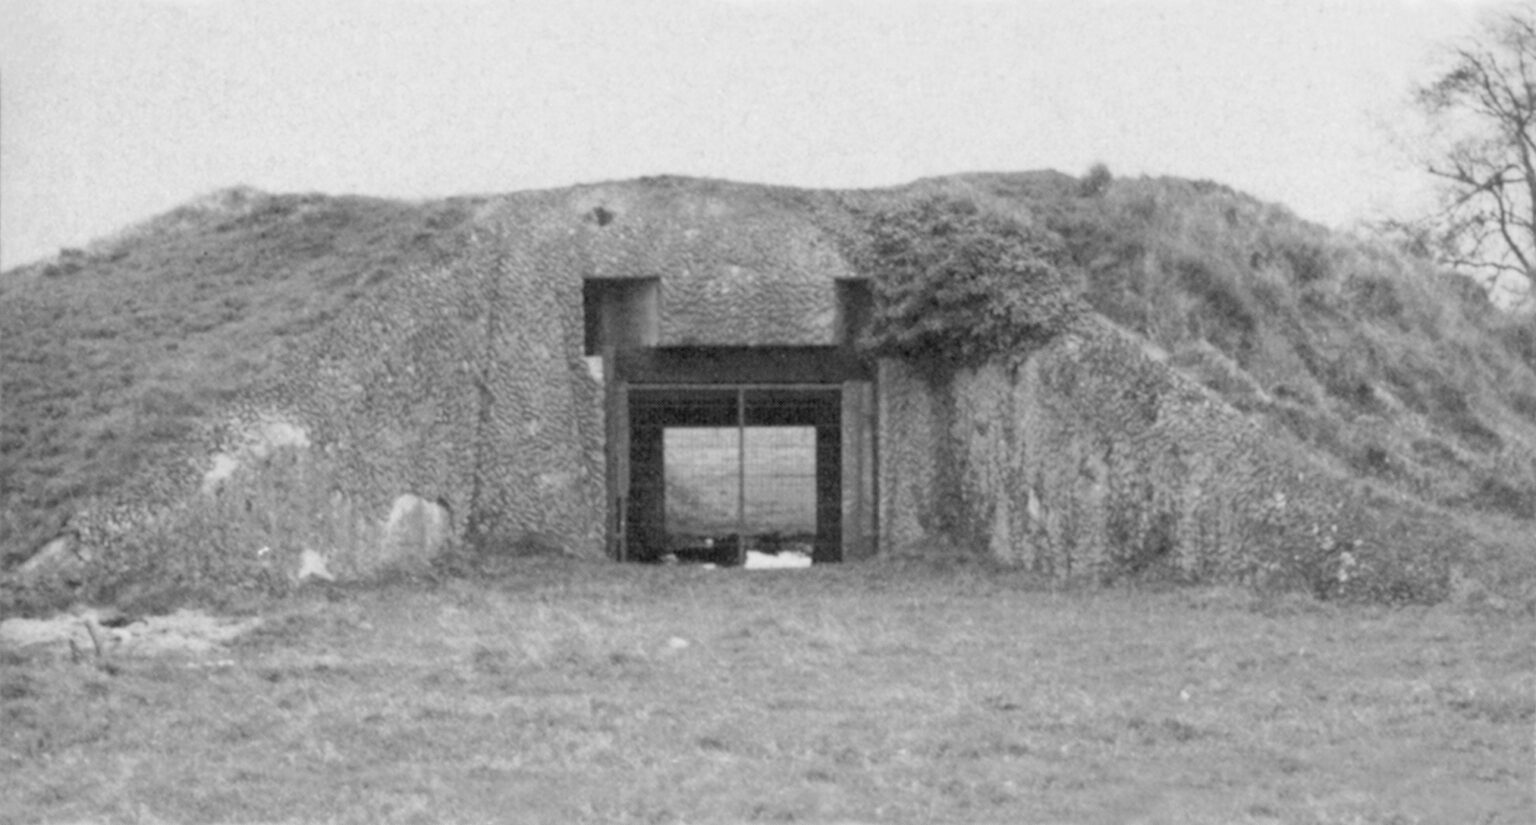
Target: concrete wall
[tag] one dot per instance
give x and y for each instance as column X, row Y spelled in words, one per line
column 1093, row 460
column 456, row 409
column 463, row 389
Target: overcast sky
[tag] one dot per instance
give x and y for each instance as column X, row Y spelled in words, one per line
column 111, row 112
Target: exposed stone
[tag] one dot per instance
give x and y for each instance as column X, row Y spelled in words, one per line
column 59, row 561
column 312, row 565
column 57, row 554
column 255, row 443
column 415, row 531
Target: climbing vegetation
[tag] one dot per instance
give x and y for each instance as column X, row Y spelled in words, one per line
column 959, row 283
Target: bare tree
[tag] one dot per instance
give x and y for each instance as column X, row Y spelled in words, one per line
column 1480, row 111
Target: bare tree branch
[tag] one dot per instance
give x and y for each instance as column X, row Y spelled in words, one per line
column 1484, row 104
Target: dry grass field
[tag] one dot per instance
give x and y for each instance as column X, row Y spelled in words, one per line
column 556, row 691
column 704, row 480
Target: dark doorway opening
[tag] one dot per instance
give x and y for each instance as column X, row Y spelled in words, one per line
column 732, row 474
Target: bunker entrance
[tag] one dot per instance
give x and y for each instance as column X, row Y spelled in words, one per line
column 735, row 475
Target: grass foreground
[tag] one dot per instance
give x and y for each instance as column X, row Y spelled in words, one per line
column 558, row 691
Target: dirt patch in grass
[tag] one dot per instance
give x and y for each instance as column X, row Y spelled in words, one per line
column 185, row 631
column 878, row 693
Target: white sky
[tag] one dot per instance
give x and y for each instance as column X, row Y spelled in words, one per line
column 112, row 111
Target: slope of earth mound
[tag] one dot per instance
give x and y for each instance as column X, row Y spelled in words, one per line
column 1367, row 360
column 111, row 355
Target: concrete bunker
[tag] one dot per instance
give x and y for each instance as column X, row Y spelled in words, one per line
column 723, row 454
column 527, row 389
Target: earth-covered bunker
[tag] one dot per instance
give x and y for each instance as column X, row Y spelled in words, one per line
column 523, row 395
column 738, row 412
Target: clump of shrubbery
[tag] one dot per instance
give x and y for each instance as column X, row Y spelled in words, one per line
column 1396, row 374
column 959, row 283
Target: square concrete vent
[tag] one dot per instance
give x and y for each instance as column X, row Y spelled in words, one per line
column 621, row 313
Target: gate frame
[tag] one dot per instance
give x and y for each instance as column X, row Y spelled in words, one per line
column 828, row 480
column 766, row 369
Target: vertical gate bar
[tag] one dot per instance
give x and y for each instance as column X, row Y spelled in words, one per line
column 852, row 471
column 616, row 452
column 623, row 528
column 828, row 546
column 741, row 476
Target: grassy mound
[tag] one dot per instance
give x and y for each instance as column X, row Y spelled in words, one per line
column 1378, row 366
column 1390, row 371
column 111, row 356
column 1398, row 372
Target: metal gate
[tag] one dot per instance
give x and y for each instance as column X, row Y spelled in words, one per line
column 717, row 473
